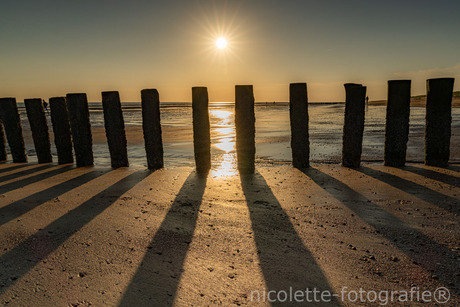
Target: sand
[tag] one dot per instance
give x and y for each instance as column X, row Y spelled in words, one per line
column 419, row 101
column 95, row 236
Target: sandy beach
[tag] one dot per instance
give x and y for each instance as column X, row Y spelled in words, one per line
column 96, row 236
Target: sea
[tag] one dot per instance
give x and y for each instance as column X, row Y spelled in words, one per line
column 272, row 134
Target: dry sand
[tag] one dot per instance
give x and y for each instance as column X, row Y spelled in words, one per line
column 93, row 236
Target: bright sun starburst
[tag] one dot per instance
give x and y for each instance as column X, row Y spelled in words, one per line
column 221, row 43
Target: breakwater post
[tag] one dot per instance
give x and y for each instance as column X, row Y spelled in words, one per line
column 115, row 129
column 12, row 124
column 245, row 128
column 61, row 129
column 201, row 129
column 3, row 155
column 298, row 113
column 397, row 122
column 354, row 124
column 80, row 128
column 151, row 125
column 39, row 127
column 438, row 121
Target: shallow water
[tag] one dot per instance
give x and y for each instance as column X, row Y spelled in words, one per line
column 272, row 135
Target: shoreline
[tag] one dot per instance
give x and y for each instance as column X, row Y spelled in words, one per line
column 96, row 106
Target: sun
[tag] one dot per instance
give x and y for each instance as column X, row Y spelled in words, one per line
column 221, row 43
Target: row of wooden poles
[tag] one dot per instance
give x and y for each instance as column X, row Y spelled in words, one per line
column 70, row 120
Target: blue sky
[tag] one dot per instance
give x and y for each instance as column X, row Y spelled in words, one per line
column 50, row 48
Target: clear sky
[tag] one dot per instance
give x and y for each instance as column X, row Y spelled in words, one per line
column 53, row 47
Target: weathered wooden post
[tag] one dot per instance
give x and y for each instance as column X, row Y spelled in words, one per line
column 12, row 124
column 354, row 124
column 298, row 112
column 438, row 121
column 3, row 155
column 151, row 125
column 397, row 122
column 115, row 129
column 245, row 128
column 39, row 127
column 61, row 129
column 81, row 128
column 201, row 129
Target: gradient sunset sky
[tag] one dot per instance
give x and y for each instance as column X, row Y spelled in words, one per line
column 53, row 47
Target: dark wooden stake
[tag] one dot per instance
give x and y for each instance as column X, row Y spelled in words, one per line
column 397, row 122
column 12, row 124
column 151, row 125
column 3, row 155
column 61, row 129
column 81, row 129
column 39, row 127
column 298, row 112
column 245, row 128
column 438, row 121
column 201, row 129
column 354, row 124
column 115, row 129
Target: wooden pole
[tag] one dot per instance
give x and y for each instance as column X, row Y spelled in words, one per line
column 201, row 129
column 354, row 124
column 3, row 155
column 12, row 124
column 39, row 127
column 151, row 125
column 81, row 129
column 115, row 129
column 397, row 122
column 245, row 128
column 438, row 121
column 61, row 129
column 298, row 112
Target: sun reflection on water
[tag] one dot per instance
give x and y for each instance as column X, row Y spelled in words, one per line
column 223, row 139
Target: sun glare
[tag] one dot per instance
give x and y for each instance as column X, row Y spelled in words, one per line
column 221, row 43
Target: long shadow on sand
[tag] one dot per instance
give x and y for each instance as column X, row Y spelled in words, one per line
column 284, row 259
column 435, row 198
column 22, row 206
column 18, row 261
column 428, row 173
column 8, row 168
column 25, row 172
column 29, row 180
column 429, row 254
column 157, row 277
column 454, row 168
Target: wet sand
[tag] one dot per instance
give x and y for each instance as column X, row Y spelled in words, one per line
column 272, row 135
column 416, row 102
column 95, row 236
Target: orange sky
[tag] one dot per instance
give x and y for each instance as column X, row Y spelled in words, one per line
column 55, row 47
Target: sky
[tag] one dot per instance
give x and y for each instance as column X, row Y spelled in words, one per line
column 53, row 47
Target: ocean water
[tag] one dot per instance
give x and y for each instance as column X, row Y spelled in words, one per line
column 272, row 134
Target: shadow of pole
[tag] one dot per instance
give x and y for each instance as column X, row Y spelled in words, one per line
column 454, row 168
column 428, row 173
column 19, row 260
column 429, row 254
column 11, row 167
column 29, row 180
column 435, row 198
column 285, row 261
column 22, row 206
column 157, row 278
column 26, row 172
